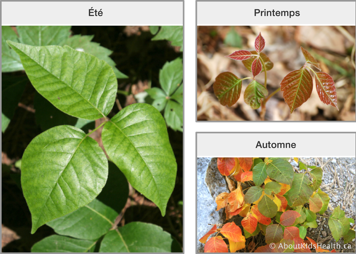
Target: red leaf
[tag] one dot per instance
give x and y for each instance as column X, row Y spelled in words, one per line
column 249, row 223
column 260, row 217
column 315, row 204
column 291, row 232
column 238, row 176
column 256, row 67
column 206, row 236
column 241, row 55
column 227, row 87
column 216, row 244
column 326, row 89
column 310, row 59
column 246, row 163
column 288, row 217
column 316, row 247
column 227, row 165
column 248, row 62
column 274, row 233
column 232, row 232
column 259, row 43
column 246, row 176
column 221, row 200
column 297, row 87
column 265, row 248
column 284, row 203
column 300, row 245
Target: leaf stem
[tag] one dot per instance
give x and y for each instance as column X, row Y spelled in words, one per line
column 106, row 120
column 265, row 70
column 273, row 93
column 246, row 78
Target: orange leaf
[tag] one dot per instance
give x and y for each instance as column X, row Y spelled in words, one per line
column 235, row 246
column 221, row 200
column 206, row 236
column 316, row 247
column 227, row 165
column 249, row 223
column 260, row 217
column 246, row 163
column 265, row 248
column 216, row 244
column 291, row 232
column 315, row 204
column 300, row 245
column 288, row 218
column 232, row 232
column 238, row 176
column 284, row 202
column 284, row 188
column 235, row 199
column 246, row 176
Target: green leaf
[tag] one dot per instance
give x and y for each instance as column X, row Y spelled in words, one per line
column 267, row 207
column 272, row 187
column 325, row 200
column 62, row 170
column 227, row 88
column 171, row 76
column 349, row 236
column 253, row 194
column 310, row 216
column 156, row 93
column 12, row 90
column 116, row 190
column 154, row 29
column 350, row 219
column 302, row 166
column 300, row 190
column 43, row 35
column 58, row 243
column 302, row 232
column 300, row 209
column 88, row 222
column 77, row 83
column 280, row 170
column 48, row 116
column 339, row 224
column 278, row 217
column 178, row 95
column 247, row 234
column 85, row 125
column 84, row 43
column 136, row 140
column 259, row 173
column 233, row 38
column 254, row 93
column 171, row 33
column 10, row 60
column 338, row 213
column 173, row 114
column 317, row 175
column 160, row 104
column 310, row 224
column 133, row 237
column 274, row 233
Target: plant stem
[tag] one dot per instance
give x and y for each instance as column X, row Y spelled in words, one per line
column 265, row 70
column 246, row 78
column 97, row 127
column 263, row 104
column 273, row 93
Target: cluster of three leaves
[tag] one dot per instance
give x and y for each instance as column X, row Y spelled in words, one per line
column 64, row 169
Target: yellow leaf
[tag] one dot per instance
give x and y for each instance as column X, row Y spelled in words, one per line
column 277, row 201
column 295, row 159
column 235, row 246
column 245, row 210
column 267, row 180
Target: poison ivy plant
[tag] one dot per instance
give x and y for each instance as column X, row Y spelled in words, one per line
column 64, row 172
column 276, row 202
column 296, row 87
column 174, row 34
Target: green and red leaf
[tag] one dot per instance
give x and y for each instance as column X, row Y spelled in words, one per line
column 254, row 93
column 291, row 232
column 248, row 62
column 256, row 67
column 288, row 217
column 259, row 43
column 227, row 88
column 260, row 217
column 249, row 223
column 274, row 233
column 216, row 244
column 315, row 204
column 326, row 89
column 310, row 59
column 206, row 236
column 240, row 55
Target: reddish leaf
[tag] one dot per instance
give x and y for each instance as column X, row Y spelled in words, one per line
column 241, row 55
column 216, row 244
column 227, row 165
column 259, row 43
column 221, row 200
column 288, row 217
column 316, row 247
column 284, row 246
column 249, row 223
column 260, row 217
column 284, row 203
column 238, row 176
column 284, row 188
column 256, row 67
column 291, row 232
column 246, row 176
column 315, row 204
column 310, row 59
column 206, row 236
column 297, row 87
column 265, row 248
column 235, row 199
column 232, row 232
column 326, row 89
column 246, row 163
column 274, row 233
column 300, row 245
column 227, row 87
column 248, row 62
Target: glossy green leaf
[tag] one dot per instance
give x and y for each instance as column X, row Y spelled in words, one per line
column 254, row 93
column 171, row 76
column 325, row 200
column 75, row 82
column 178, row 95
column 272, row 187
column 156, row 93
column 173, row 114
column 317, row 175
column 259, row 173
column 137, row 237
column 248, row 63
column 136, row 140
column 325, row 88
column 48, row 116
column 85, row 43
column 349, row 236
column 43, row 35
column 274, row 233
column 85, row 125
column 160, row 104
column 12, row 90
column 227, row 88
column 174, row 34
column 88, row 222
column 116, row 190
column 302, row 232
column 300, row 190
column 62, row 170
column 10, row 61
column 267, row 207
column 297, row 87
column 253, row 194
column 58, row 243
column 280, row 170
